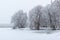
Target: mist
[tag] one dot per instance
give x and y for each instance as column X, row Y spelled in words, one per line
column 9, row 7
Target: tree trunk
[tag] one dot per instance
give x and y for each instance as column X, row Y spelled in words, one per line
column 37, row 28
column 53, row 26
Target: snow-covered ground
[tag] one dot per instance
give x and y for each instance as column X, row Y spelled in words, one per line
column 20, row 34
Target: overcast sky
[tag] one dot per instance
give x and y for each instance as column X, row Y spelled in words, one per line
column 9, row 7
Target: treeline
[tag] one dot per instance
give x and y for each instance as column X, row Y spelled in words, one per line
column 38, row 17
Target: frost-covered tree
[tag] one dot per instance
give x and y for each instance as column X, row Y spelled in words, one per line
column 52, row 19
column 49, row 17
column 19, row 19
column 55, row 11
column 45, row 17
column 34, row 17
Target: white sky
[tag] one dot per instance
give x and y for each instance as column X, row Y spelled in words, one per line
column 9, row 7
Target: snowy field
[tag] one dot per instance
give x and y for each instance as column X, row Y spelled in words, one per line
column 20, row 34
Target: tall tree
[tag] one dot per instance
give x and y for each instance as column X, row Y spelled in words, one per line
column 34, row 17
column 55, row 10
